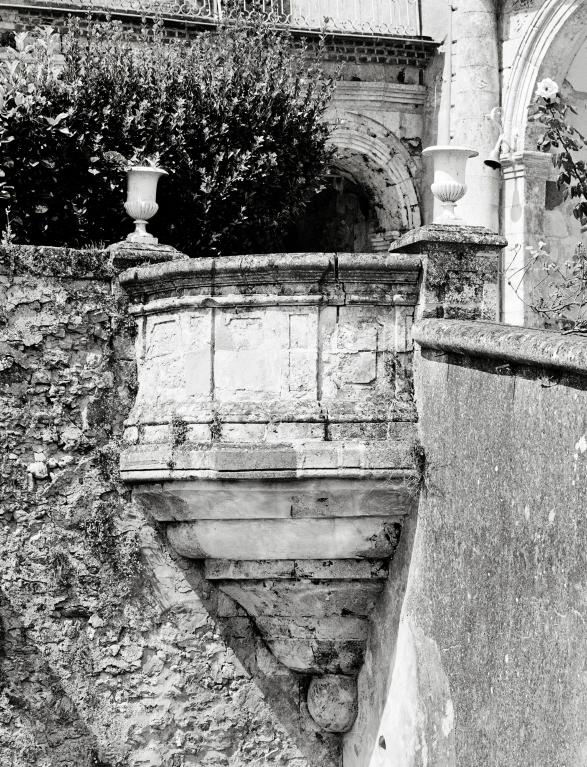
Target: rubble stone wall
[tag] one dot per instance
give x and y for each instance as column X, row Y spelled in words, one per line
column 109, row 654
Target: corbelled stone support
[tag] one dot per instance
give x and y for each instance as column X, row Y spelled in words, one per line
column 273, row 435
column 332, row 702
column 460, row 270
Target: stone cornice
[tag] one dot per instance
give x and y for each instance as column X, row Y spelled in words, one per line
column 511, row 343
column 313, row 275
column 358, row 95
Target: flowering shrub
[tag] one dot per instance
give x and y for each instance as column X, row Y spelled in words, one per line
column 558, row 293
column 551, row 111
column 235, row 116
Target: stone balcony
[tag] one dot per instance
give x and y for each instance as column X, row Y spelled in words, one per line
column 273, row 435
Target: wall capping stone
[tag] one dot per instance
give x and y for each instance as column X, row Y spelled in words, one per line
column 80, row 263
column 296, row 273
column 52, row 261
column 412, row 241
column 128, row 253
column 512, row 343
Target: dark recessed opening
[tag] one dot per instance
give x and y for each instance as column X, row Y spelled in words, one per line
column 339, row 219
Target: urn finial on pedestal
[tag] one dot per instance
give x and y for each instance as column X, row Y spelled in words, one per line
column 449, row 179
column 141, row 200
column 141, row 205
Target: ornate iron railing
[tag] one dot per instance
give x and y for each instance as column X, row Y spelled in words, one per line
column 364, row 17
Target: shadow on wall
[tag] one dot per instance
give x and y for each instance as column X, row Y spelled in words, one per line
column 339, row 219
column 41, row 720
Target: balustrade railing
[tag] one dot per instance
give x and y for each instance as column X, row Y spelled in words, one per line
column 364, row 17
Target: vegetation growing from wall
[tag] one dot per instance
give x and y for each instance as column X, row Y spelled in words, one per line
column 235, row 116
column 559, row 293
column 108, row 658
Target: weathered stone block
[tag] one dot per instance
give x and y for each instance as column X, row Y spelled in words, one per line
column 460, row 270
column 294, row 432
column 303, row 538
column 332, row 701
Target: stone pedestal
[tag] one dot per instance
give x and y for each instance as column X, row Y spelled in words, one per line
column 138, row 252
column 460, row 270
column 273, row 434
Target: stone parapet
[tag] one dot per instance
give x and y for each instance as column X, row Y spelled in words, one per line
column 514, row 344
column 493, row 618
column 275, row 349
column 279, row 275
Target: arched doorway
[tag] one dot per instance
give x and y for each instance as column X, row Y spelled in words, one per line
column 369, row 197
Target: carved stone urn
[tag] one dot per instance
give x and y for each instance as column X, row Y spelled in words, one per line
column 273, row 435
column 141, row 200
column 449, row 178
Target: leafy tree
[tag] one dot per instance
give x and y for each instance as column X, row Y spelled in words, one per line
column 235, row 116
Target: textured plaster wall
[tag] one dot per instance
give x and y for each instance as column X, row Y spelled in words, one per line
column 109, row 655
column 490, row 664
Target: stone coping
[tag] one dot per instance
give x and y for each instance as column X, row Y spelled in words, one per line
column 457, row 234
column 54, row 261
column 260, row 269
column 512, row 343
column 80, row 263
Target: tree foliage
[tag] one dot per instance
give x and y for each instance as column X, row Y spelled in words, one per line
column 235, row 115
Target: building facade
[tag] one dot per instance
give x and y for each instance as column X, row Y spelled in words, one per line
column 403, row 87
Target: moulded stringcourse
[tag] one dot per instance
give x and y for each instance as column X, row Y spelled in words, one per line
column 273, row 436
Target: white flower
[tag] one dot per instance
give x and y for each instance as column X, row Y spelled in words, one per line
column 547, row 88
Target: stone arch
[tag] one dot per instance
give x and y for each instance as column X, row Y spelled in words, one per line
column 547, row 49
column 377, row 160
